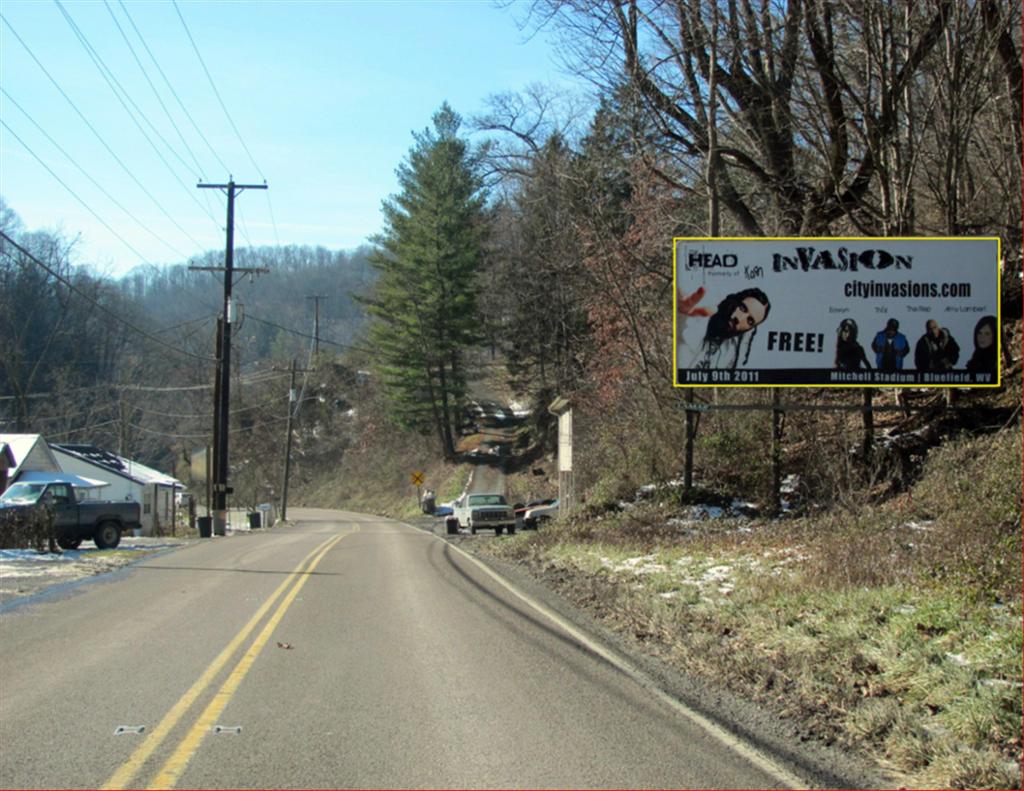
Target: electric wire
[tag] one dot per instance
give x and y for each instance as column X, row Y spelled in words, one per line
column 199, row 168
column 102, row 307
column 223, row 106
column 307, row 335
column 74, row 194
column 118, row 90
column 99, row 137
column 174, row 93
column 170, row 87
column 216, row 93
column 81, row 430
column 95, row 183
column 145, row 388
column 267, row 422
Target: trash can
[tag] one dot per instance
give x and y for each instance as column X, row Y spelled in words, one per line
column 205, row 524
column 255, row 520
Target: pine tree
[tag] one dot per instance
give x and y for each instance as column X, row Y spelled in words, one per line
column 424, row 308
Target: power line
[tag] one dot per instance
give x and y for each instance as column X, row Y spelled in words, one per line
column 170, row 87
column 270, row 208
column 118, row 89
column 199, row 169
column 74, row 194
column 144, row 388
column 81, row 430
column 216, row 92
column 99, row 137
column 267, row 422
column 95, row 183
column 307, row 335
column 102, row 307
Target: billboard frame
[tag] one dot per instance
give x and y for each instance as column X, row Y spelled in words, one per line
column 998, row 383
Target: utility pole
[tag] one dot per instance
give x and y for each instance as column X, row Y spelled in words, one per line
column 316, row 321
column 221, row 406
column 293, row 398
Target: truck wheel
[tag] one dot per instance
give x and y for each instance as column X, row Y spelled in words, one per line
column 511, row 530
column 497, row 531
column 69, row 543
column 108, row 535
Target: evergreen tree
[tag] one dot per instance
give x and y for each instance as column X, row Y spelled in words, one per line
column 424, row 309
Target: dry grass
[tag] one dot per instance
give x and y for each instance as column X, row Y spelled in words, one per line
column 893, row 629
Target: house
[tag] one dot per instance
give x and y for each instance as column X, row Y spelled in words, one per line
column 7, row 463
column 128, row 479
column 24, row 453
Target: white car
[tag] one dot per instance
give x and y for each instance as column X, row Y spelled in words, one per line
column 487, row 511
column 532, row 517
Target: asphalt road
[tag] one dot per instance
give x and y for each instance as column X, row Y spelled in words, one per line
column 345, row 651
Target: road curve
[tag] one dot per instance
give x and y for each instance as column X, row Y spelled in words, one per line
column 343, row 651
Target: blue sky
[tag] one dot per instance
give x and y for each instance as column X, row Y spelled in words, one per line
column 326, row 96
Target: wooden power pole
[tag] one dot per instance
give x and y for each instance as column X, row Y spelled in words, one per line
column 222, row 397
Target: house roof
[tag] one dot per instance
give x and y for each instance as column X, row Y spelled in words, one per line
column 108, row 462
column 78, row 481
column 21, row 445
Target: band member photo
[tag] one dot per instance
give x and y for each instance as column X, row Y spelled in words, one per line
column 736, row 319
column 850, row 355
column 936, row 350
column 890, row 347
column 984, row 360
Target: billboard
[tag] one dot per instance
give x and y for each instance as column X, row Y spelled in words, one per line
column 836, row 312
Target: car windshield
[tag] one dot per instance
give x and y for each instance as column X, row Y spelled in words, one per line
column 487, row 499
column 22, row 493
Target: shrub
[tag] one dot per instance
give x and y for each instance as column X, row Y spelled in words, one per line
column 23, row 529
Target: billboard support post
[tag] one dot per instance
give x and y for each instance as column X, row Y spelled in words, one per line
column 777, row 415
column 869, row 424
column 691, row 431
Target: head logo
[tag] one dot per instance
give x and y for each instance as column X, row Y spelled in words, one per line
column 700, row 260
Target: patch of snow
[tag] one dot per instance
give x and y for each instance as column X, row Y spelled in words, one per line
column 519, row 409
column 644, row 564
column 922, row 526
column 789, row 484
column 957, row 659
column 717, row 574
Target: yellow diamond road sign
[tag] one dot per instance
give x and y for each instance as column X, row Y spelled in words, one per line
column 417, row 478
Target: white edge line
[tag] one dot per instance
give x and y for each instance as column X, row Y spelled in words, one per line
column 735, row 743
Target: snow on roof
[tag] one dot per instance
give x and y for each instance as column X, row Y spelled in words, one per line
column 21, row 445
column 111, row 462
column 78, row 481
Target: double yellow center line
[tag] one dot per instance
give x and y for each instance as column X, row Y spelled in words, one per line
column 172, row 768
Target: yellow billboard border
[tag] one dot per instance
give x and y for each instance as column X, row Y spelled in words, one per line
column 999, row 305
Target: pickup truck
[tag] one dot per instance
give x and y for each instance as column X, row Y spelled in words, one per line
column 103, row 522
column 487, row 511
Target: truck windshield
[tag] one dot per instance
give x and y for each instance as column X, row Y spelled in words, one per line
column 487, row 499
column 22, row 493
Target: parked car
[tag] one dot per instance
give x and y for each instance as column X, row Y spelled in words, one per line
column 521, row 509
column 532, row 517
column 443, row 510
column 103, row 522
column 483, row 511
